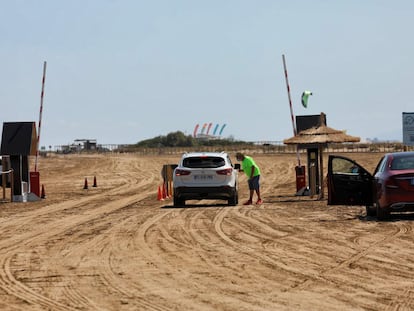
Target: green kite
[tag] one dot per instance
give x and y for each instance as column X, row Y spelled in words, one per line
column 305, row 96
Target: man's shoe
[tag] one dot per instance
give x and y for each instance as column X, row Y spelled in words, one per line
column 248, row 202
column 260, row 201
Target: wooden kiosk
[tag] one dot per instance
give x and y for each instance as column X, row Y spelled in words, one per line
column 314, row 136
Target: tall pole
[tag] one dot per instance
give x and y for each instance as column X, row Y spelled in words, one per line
column 40, row 114
column 290, row 106
column 290, row 99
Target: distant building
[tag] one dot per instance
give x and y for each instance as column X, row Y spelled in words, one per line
column 80, row 145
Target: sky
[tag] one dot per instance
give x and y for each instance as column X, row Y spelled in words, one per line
column 122, row 71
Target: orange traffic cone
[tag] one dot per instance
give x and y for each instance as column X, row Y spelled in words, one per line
column 159, row 197
column 85, row 186
column 42, row 195
column 94, row 182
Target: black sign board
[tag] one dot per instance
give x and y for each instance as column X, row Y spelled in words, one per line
column 19, row 138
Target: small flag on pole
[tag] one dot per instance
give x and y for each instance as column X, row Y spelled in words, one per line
column 305, row 96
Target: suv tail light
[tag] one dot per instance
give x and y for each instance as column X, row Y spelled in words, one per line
column 226, row 171
column 182, row 172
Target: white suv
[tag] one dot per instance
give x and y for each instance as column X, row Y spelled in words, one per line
column 205, row 175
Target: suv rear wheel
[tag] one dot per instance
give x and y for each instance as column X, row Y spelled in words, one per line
column 234, row 200
column 178, row 202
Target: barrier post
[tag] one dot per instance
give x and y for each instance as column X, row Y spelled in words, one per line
column 35, row 183
column 300, row 177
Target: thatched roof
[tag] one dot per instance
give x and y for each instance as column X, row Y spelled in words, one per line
column 320, row 135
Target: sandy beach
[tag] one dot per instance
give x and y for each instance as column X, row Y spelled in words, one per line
column 116, row 247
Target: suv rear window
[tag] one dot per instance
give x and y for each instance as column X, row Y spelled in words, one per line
column 203, row 162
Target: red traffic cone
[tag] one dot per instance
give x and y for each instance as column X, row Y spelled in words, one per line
column 159, row 197
column 42, row 195
column 85, row 186
column 94, row 182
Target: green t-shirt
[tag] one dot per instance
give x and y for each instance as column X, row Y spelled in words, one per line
column 247, row 164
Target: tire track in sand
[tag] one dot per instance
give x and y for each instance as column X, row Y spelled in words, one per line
column 10, row 247
column 324, row 275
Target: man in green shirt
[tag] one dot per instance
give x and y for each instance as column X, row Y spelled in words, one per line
column 252, row 171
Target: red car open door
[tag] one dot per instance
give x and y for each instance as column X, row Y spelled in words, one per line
column 348, row 182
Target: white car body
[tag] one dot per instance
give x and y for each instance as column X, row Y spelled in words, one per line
column 205, row 175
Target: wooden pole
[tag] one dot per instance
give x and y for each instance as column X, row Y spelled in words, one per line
column 321, row 192
column 312, row 180
column 3, row 184
column 11, row 185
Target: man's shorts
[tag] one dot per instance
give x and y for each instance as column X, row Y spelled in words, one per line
column 254, row 183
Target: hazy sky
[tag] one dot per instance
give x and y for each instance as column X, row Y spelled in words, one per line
column 121, row 71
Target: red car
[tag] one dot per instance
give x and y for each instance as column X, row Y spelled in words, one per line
column 390, row 189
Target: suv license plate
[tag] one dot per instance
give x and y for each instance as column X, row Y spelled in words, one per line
column 203, row 177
